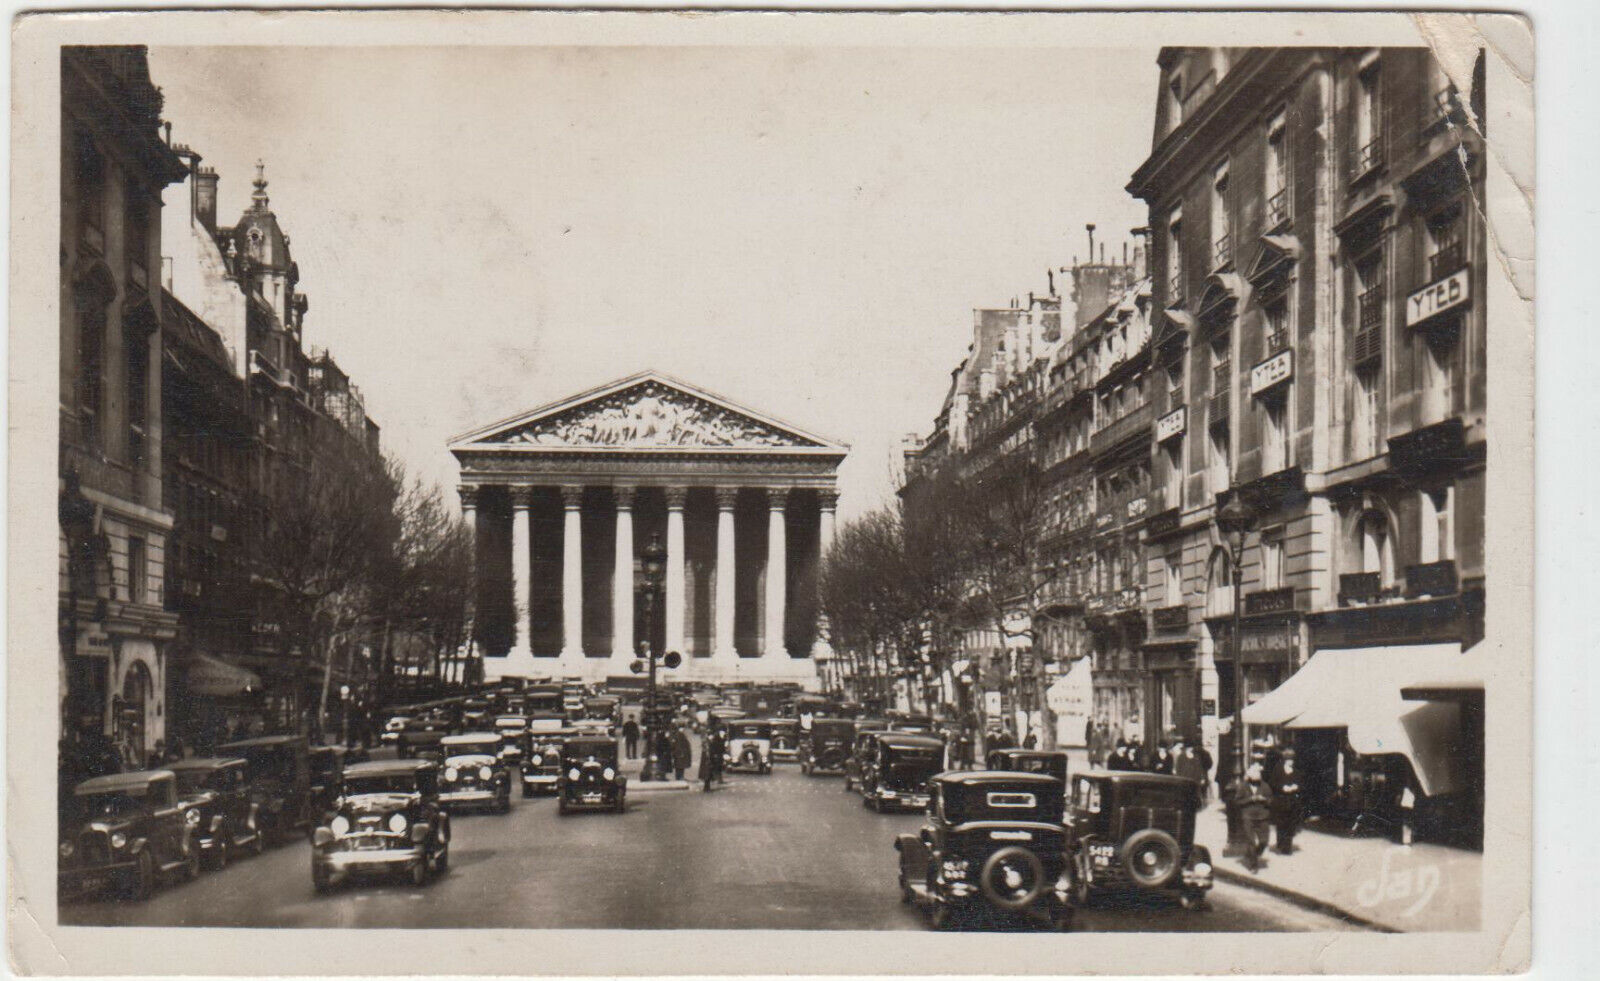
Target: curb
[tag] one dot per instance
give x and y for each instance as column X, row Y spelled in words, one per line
column 1298, row 898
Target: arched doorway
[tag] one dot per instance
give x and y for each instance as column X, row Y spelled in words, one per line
column 132, row 715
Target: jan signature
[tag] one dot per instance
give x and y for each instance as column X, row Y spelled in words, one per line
column 1391, row 884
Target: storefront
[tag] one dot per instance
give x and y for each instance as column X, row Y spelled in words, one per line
column 1172, row 691
column 1269, row 653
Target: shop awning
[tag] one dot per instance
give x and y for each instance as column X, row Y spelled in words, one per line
column 1361, row 690
column 216, row 678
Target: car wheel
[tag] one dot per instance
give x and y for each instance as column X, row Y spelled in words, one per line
column 219, row 857
column 906, row 895
column 441, row 859
column 142, row 884
column 527, row 793
column 502, row 804
column 419, row 872
column 321, row 881
column 1192, row 899
column 561, row 806
column 1151, row 858
column 191, row 864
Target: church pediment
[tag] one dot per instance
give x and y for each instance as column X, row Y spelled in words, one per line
column 645, row 413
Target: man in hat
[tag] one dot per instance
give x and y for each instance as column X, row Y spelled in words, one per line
column 1254, row 805
column 1287, row 809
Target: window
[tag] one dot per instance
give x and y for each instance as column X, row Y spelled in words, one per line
column 1274, row 431
column 1217, row 470
column 1368, row 121
column 1446, row 243
column 1436, row 540
column 1277, row 170
column 1377, row 550
column 92, row 307
column 1221, row 225
column 1175, row 260
column 1439, row 359
column 137, row 571
column 1277, row 320
column 1172, row 491
column 1175, row 382
column 1364, row 422
column 1173, row 578
column 1272, row 558
column 1175, row 89
column 1219, row 585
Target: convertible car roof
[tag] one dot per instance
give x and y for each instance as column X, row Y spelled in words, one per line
column 111, row 783
column 387, row 768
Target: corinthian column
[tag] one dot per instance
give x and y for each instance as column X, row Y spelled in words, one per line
column 777, row 552
column 676, row 497
column 572, row 577
column 727, row 497
column 622, row 579
column 827, row 503
column 521, row 573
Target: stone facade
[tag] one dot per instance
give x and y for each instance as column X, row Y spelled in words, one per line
column 565, row 498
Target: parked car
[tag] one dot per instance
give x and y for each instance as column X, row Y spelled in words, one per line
column 217, row 789
column 511, row 729
column 749, row 746
column 826, row 748
column 856, row 763
column 785, row 740
column 393, row 728
column 388, row 821
column 1127, row 829
column 912, row 723
column 897, row 768
column 124, row 831
column 280, row 782
column 590, row 778
column 992, row 841
column 541, row 757
column 421, row 744
column 474, row 773
column 1050, row 762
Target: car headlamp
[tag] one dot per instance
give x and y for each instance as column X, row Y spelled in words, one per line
column 119, row 840
column 1202, row 868
column 340, row 825
column 484, row 773
column 610, row 774
column 572, row 774
column 397, row 823
column 537, row 759
column 66, row 849
column 191, row 817
column 451, row 773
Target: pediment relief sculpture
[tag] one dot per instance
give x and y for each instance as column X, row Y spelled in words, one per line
column 651, row 416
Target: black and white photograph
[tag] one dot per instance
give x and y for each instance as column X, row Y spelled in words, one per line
column 776, row 475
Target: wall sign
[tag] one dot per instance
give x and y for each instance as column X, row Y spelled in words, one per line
column 1448, row 293
column 1172, row 424
column 1274, row 371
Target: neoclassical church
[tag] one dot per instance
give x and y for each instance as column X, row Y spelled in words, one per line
column 564, row 498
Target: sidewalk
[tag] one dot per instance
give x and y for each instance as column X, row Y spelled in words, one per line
column 1418, row 888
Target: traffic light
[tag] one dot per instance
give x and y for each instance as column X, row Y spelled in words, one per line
column 637, row 667
column 673, row 659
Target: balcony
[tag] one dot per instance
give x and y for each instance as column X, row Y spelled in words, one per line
column 1431, row 579
column 1364, row 588
column 1270, row 601
column 1170, row 619
column 1441, row 446
column 1368, row 158
column 1175, row 288
column 1116, row 433
column 1222, row 251
column 1277, row 341
column 1278, row 209
column 1450, row 257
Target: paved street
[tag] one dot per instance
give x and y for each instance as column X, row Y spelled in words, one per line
column 781, row 851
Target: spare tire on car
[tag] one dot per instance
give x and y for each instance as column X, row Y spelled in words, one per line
column 1012, row 878
column 1151, row 858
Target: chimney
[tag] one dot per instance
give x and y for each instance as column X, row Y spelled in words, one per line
column 205, row 198
column 1090, row 227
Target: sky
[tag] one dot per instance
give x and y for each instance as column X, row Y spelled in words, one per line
column 805, row 231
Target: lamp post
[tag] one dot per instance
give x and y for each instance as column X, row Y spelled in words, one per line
column 1235, row 520
column 653, row 561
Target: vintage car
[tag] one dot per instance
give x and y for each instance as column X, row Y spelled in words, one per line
column 1127, row 829
column 856, row 763
column 785, row 740
column 749, row 746
column 541, row 759
column 123, row 831
column 826, row 748
column 217, row 790
column 474, row 774
column 280, row 782
column 897, row 768
column 912, row 723
column 1051, row 763
column 421, row 744
column 389, row 820
column 474, row 714
column 327, row 776
column 992, row 842
column 590, row 778
column 393, row 728
column 511, row 729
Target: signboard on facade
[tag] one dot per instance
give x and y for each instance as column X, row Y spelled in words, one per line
column 1172, row 424
column 1274, row 371
column 1446, row 294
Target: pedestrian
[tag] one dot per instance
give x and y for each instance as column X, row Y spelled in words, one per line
column 630, row 738
column 682, row 752
column 1254, row 803
column 1284, row 779
column 1186, row 764
column 1032, row 739
column 1118, row 760
column 1089, row 739
column 1136, row 757
column 1161, row 761
column 717, row 751
column 708, row 769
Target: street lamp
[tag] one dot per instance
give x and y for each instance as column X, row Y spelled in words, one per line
column 653, row 562
column 1235, row 520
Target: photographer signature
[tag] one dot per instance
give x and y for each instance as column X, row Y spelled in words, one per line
column 1421, row 882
